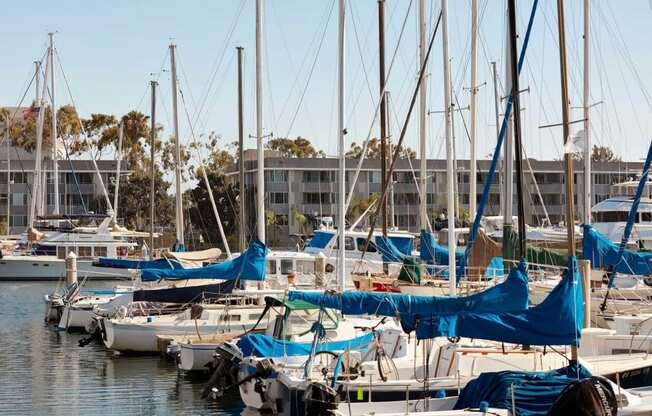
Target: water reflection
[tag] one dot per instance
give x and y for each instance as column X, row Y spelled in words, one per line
column 43, row 371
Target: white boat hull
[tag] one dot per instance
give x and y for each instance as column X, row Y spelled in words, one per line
column 20, row 268
column 195, row 357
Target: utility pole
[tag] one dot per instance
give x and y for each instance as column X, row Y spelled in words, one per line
column 383, row 106
column 452, row 281
column 588, row 184
column 180, row 245
column 242, row 225
column 423, row 110
column 53, row 135
column 473, row 105
column 152, row 183
column 260, row 183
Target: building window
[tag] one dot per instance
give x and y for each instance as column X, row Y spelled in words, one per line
column 318, row 198
column 18, row 199
column 18, row 220
column 278, row 198
column 281, row 219
column 276, row 176
column 19, row 177
column 374, row 176
column 310, row 176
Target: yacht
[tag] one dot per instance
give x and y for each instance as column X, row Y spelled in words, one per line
column 610, row 217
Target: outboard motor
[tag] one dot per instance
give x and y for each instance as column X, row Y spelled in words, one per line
column 591, row 396
column 320, row 399
column 225, row 364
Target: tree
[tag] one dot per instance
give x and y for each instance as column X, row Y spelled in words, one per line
column 23, row 130
column 358, row 206
column 603, row 154
column 299, row 147
column 374, row 148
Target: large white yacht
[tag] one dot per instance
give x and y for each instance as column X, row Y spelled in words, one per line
column 610, row 216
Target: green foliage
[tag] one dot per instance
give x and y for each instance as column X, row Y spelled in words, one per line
column 299, row 147
column 374, row 148
column 604, row 154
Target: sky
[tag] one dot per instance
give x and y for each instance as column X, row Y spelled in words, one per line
column 110, row 50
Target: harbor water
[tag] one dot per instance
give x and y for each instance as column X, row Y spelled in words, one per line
column 45, row 372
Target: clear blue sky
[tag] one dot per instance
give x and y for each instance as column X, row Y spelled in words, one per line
column 109, row 49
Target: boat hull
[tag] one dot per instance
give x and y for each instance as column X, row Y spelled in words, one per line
column 39, row 268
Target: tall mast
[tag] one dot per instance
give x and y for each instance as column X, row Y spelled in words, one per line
column 260, row 182
column 37, row 81
column 340, row 146
column 180, row 245
column 383, row 106
column 587, row 125
column 53, row 136
column 8, row 175
column 37, row 184
column 389, row 149
column 568, row 159
column 242, row 225
column 508, row 162
column 497, row 116
column 152, row 182
column 423, row 110
column 450, row 188
column 517, row 126
column 116, row 192
column 473, row 108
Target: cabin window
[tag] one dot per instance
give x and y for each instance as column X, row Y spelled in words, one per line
column 61, row 253
column 362, row 242
column 271, row 267
column 100, row 251
column 286, row 266
column 646, row 216
column 611, row 216
column 231, row 318
column 305, row 266
column 84, row 251
column 349, row 243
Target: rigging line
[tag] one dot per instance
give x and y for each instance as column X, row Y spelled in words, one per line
column 312, row 69
column 295, row 82
column 217, row 63
column 201, row 218
column 373, row 121
column 269, row 86
column 202, row 123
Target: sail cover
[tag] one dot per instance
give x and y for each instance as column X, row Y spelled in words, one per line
column 433, row 253
column 534, row 392
column 259, row 345
column 510, row 295
column 603, row 253
column 184, row 294
column 389, row 251
column 250, row 265
column 161, row 264
column 555, row 321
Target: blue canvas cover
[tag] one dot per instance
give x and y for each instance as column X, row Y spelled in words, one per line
column 510, row 295
column 496, row 268
column 431, row 252
column 389, row 251
column 555, row 321
column 404, row 244
column 603, row 254
column 534, row 392
column 259, row 345
column 249, row 265
column 114, row 263
column 321, row 239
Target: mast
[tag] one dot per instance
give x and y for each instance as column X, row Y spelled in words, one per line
column 587, row 127
column 513, row 61
column 53, row 136
column 241, row 227
column 423, row 110
column 180, row 245
column 450, row 188
column 8, row 175
column 36, row 198
column 508, row 162
column 116, row 192
column 497, row 115
column 260, row 182
column 383, row 106
column 473, row 108
column 37, row 81
column 568, row 159
column 152, row 183
column 341, row 266
column 389, row 149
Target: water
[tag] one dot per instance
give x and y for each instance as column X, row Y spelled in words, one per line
column 43, row 371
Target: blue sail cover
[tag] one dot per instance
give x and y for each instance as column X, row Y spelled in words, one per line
column 249, row 265
column 603, row 254
column 431, row 252
column 555, row 321
column 389, row 251
column 259, row 345
column 508, row 296
column 137, row 264
column 534, row 392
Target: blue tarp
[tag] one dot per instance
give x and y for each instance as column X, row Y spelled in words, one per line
column 496, row 268
column 161, row 264
column 555, row 321
column 321, row 239
column 249, row 265
column 389, row 251
column 509, row 296
column 259, row 345
column 603, row 254
column 431, row 252
column 404, row 244
column 534, row 392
